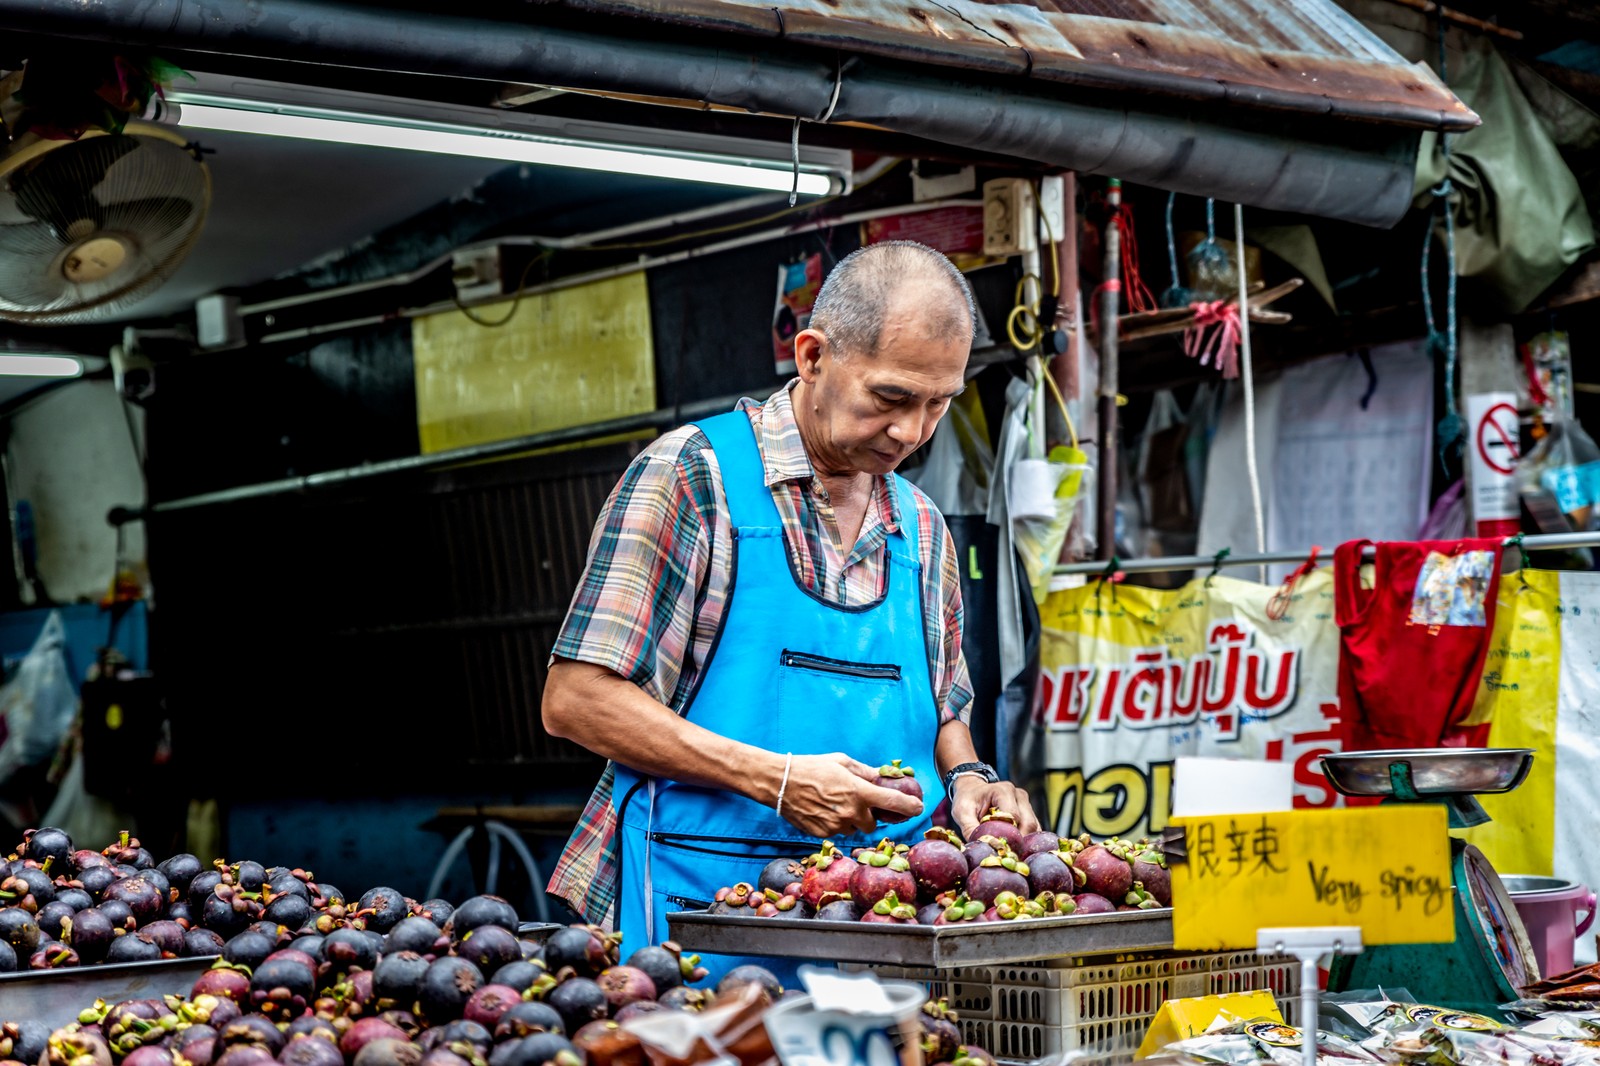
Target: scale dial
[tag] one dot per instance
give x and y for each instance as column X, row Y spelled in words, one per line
column 1496, row 925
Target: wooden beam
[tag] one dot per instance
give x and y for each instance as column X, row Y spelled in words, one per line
column 1460, row 18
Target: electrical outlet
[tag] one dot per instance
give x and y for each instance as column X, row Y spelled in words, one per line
column 1052, row 208
column 1009, row 211
column 477, row 272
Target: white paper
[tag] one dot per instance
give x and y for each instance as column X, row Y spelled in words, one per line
column 847, row 993
column 1202, row 786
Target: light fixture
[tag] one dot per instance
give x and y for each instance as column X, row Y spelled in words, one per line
column 20, row 365
column 281, row 110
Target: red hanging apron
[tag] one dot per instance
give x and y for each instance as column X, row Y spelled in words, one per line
column 1412, row 647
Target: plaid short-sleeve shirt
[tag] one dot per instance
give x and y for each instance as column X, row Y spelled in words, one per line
column 656, row 584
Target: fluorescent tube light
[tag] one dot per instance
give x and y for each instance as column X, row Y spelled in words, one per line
column 39, row 366
column 513, row 146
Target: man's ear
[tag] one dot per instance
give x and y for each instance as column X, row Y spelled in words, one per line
column 808, row 352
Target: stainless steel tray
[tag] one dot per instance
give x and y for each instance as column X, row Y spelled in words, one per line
column 977, row 944
column 57, row 996
column 1432, row 771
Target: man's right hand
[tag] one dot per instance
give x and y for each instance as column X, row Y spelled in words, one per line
column 833, row 795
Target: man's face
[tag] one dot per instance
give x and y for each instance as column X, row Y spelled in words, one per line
column 874, row 410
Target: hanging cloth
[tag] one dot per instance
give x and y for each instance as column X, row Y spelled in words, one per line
column 1412, row 647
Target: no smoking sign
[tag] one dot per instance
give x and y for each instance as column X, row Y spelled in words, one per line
column 1493, row 417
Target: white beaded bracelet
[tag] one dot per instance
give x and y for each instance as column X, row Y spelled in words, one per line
column 788, row 761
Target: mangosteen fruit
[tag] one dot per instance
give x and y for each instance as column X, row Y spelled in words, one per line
column 529, row 1016
column 889, row 909
column 519, row 975
column 288, row 910
column 48, row 844
column 437, row 911
column 131, row 947
column 827, row 872
column 8, row 958
column 180, row 870
column 241, row 1055
column 635, row 1010
column 303, row 958
column 199, row 943
column 536, row 1050
column 249, row 875
column 165, row 934
column 309, row 944
column 311, row 1025
column 747, row 974
column 685, row 998
column 482, row 910
column 606, row 1041
column 388, row 1051
column 1001, row 872
column 248, row 948
column 465, row 1031
column 28, row 885
column 623, row 985
column 82, row 1048
column 141, row 895
column 878, row 872
column 441, row 1056
column 227, row 915
column 347, row 949
column 1106, row 872
column 1037, row 841
column 28, row 1039
column 1049, row 872
column 200, row 886
column 1093, row 903
column 1150, row 870
column 666, row 965
column 941, row 1037
column 936, row 863
column 840, row 910
column 76, row 898
column 51, row 918
column 1002, row 824
column 929, row 913
column 95, row 879
column 900, row 779
column 282, row 988
column 118, row 913
column 779, row 874
column 223, row 980
column 588, row 949
column 310, row 1051
column 283, row 882
column 485, row 1006
column 397, row 979
column 579, row 1001
column 253, row 1029
column 446, row 986
column 490, row 947
column 380, row 908
column 364, row 1032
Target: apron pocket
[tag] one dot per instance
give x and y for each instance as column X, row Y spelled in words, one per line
column 859, row 700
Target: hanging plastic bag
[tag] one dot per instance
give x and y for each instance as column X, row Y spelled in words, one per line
column 37, row 706
column 1042, row 496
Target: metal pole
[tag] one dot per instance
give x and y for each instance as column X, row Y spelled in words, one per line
column 665, row 416
column 1106, row 408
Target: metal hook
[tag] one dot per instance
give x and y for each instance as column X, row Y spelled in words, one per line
column 1522, row 555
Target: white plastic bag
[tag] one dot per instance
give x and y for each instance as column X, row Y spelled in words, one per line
column 37, row 705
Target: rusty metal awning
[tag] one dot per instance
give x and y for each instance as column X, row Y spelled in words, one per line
column 1283, row 104
column 1285, row 55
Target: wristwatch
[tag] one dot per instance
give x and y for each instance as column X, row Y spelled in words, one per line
column 976, row 769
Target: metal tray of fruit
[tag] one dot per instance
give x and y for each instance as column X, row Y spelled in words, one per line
column 1429, row 771
column 57, row 996
column 966, row 944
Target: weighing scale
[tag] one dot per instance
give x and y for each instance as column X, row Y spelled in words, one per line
column 1491, row 957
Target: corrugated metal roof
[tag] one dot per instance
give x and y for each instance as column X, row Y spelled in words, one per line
column 1304, row 55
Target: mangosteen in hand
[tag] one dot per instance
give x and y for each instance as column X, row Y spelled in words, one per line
column 901, row 779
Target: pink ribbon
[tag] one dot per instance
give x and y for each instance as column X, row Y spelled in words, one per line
column 1213, row 336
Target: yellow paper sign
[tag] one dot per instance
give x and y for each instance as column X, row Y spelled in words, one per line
column 1385, row 869
column 563, row 358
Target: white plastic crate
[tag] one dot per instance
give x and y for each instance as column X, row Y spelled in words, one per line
column 1102, row 1004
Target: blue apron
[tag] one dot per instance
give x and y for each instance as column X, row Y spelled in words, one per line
column 788, row 672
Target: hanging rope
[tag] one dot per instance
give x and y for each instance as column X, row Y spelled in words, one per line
column 1139, row 296
column 1176, row 295
column 1451, row 428
column 1249, row 388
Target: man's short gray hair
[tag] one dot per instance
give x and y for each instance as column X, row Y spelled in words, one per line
column 857, row 294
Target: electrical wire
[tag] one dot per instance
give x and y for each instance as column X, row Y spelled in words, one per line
column 1020, row 308
column 516, row 300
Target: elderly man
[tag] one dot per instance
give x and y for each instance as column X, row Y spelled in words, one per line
column 769, row 612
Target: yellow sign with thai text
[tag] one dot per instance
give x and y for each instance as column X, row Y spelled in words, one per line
column 1385, row 869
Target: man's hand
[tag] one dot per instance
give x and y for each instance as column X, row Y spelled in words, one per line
column 971, row 797
column 833, row 795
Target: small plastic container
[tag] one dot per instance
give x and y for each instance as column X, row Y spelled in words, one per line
column 1549, row 908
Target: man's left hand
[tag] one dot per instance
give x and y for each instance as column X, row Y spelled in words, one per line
column 972, row 797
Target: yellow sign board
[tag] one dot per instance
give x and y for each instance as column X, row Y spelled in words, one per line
column 564, row 358
column 1385, row 869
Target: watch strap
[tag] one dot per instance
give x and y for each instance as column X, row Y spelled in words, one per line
column 977, row 769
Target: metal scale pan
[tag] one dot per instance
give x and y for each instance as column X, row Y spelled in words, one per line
column 1491, row 958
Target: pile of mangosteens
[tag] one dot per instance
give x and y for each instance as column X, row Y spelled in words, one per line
column 1001, row 874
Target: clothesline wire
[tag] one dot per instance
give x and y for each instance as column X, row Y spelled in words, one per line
column 1536, row 542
